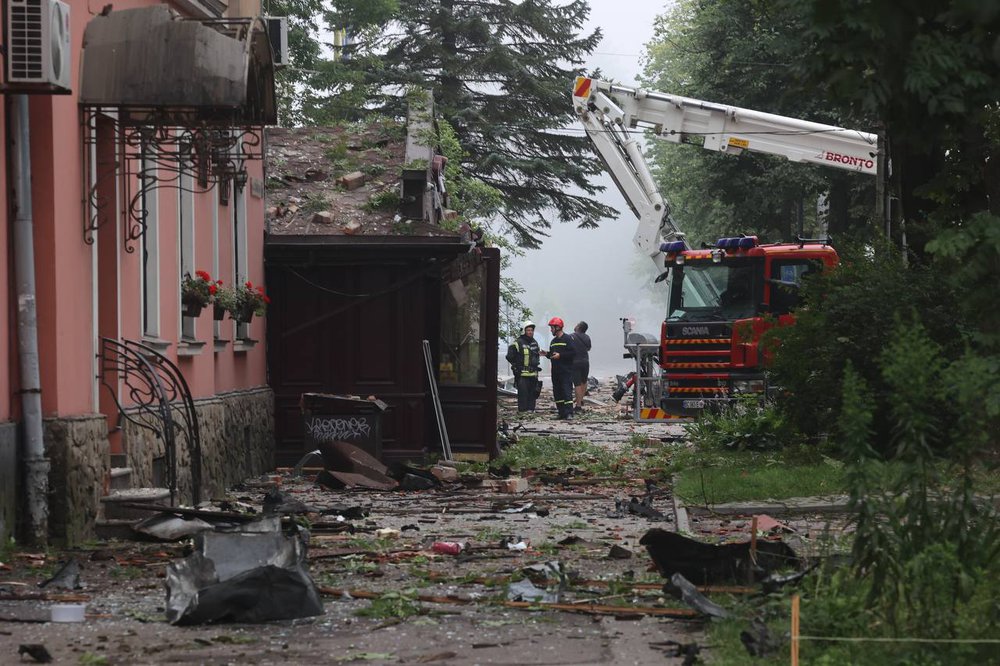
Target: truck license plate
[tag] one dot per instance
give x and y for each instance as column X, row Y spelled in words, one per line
column 693, row 404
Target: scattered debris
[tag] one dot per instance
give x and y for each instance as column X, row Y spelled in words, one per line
column 36, row 651
column 278, row 503
column 705, row 564
column 619, row 553
column 774, row 582
column 68, row 612
column 525, row 590
column 681, row 588
column 447, row 547
column 638, row 507
column 387, row 533
column 348, row 466
column 241, row 577
column 758, row 640
column 168, row 527
column 66, row 578
column 768, row 525
column 689, row 651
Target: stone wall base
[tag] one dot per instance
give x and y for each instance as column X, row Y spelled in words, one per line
column 9, row 472
column 78, row 452
column 237, row 442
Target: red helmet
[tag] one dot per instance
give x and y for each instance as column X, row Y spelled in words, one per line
column 556, row 321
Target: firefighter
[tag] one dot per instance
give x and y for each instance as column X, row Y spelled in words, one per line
column 561, row 355
column 523, row 356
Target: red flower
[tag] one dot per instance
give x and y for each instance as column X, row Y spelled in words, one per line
column 218, row 282
column 212, row 289
column 203, row 275
column 249, row 284
column 266, row 299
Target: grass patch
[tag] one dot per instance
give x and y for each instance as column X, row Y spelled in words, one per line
column 558, row 454
column 740, row 476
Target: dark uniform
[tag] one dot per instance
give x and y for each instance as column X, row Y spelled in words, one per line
column 562, row 374
column 524, row 360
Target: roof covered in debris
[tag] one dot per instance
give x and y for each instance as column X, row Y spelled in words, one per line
column 339, row 180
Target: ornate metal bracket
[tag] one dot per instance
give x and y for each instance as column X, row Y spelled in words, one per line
column 157, row 155
column 155, row 397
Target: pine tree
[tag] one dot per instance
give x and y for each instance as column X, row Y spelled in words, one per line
column 501, row 73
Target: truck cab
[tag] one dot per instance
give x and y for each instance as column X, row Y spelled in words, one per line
column 722, row 299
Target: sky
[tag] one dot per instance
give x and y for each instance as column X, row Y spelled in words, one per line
column 589, row 274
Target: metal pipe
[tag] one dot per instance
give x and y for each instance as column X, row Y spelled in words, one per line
column 36, row 465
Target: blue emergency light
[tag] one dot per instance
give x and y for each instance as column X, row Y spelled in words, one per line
column 673, row 246
column 737, row 243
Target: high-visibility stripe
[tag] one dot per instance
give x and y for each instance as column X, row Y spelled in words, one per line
column 698, row 389
column 582, row 87
column 698, row 341
column 527, row 357
column 697, row 352
column 529, row 374
column 657, row 413
column 558, row 344
column 682, row 366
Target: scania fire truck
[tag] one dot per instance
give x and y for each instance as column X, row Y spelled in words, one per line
column 721, row 298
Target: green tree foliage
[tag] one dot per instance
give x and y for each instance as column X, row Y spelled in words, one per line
column 740, row 53
column 850, row 318
column 477, row 204
column 929, row 72
column 315, row 88
column 500, row 73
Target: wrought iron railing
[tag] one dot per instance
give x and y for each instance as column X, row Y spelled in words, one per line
column 151, row 393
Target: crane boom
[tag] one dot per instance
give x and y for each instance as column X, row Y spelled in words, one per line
column 610, row 112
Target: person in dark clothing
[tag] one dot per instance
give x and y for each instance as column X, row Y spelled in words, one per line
column 523, row 356
column 561, row 355
column 581, row 364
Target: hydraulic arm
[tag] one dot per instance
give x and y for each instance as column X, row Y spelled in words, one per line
column 612, row 114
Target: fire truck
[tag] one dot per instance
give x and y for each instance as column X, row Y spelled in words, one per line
column 723, row 297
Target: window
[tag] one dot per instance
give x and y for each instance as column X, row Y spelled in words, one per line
column 786, row 279
column 185, row 233
column 216, row 324
column 463, row 352
column 241, row 269
column 149, row 247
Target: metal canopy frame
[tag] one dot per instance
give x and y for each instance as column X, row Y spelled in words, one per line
column 208, row 138
column 149, row 157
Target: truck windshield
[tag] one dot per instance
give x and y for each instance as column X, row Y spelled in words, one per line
column 705, row 291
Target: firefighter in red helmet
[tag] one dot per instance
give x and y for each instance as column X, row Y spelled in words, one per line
column 560, row 354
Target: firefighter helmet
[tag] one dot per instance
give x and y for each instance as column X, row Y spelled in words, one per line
column 527, row 324
column 556, row 321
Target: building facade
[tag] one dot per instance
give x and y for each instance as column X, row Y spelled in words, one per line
column 147, row 169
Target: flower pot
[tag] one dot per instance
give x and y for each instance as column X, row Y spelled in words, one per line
column 218, row 312
column 193, row 308
column 245, row 313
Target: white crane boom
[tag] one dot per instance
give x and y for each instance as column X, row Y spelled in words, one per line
column 609, row 112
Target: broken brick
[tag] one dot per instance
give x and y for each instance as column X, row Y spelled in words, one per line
column 352, row 181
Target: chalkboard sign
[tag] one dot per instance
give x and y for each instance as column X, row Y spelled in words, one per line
column 334, row 418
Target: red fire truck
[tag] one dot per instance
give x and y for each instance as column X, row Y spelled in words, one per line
column 721, row 298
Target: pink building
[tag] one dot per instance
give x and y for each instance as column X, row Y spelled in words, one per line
column 148, row 169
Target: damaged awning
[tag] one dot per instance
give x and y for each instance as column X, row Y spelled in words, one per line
column 153, row 66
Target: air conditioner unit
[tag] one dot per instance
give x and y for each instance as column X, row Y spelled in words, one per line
column 277, row 32
column 38, row 46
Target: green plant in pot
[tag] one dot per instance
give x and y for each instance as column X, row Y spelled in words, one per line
column 225, row 300
column 197, row 292
column 247, row 301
